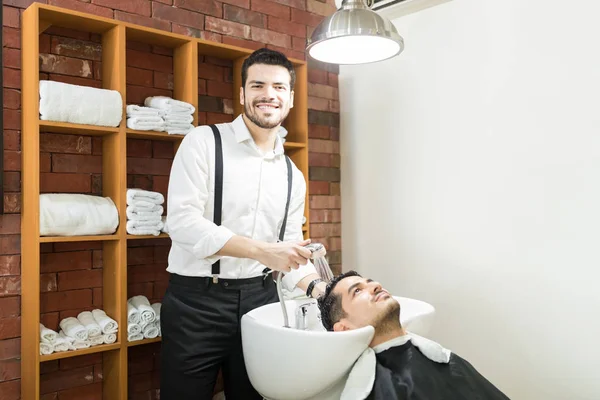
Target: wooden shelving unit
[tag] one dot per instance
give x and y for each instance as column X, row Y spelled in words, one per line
column 37, row 18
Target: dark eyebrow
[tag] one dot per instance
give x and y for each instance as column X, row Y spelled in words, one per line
column 354, row 285
column 256, row 82
column 262, row 83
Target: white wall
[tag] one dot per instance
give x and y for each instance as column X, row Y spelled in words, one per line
column 471, row 180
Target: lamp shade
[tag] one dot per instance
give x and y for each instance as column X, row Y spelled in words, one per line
column 354, row 34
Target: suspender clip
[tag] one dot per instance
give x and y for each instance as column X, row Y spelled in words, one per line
column 215, row 279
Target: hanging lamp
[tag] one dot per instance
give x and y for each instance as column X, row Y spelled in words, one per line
column 354, row 34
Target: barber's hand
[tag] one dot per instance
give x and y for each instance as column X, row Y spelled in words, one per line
column 284, row 256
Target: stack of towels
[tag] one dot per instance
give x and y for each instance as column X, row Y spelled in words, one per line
column 90, row 328
column 143, row 319
column 144, row 212
column 161, row 113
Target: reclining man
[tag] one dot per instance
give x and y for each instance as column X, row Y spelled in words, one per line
column 403, row 371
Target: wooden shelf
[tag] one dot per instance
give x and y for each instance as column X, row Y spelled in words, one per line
column 294, row 145
column 144, row 341
column 75, row 353
column 76, row 129
column 133, row 134
column 138, row 237
column 91, row 238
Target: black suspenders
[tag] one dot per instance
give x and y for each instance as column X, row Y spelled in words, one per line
column 216, row 267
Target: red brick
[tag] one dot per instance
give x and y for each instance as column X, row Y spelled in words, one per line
column 59, row 301
column 317, row 76
column 12, row 140
column 61, row 380
column 324, row 146
column 11, row 57
column 11, row 37
column 218, row 118
column 10, row 17
column 178, row 15
column 319, row 159
column 12, row 181
column 248, row 44
column 72, row 280
column 228, row 106
column 10, row 327
column 87, row 392
column 10, row 264
column 97, row 298
column 318, row 187
column 137, row 94
column 10, row 369
column 144, row 60
column 65, row 65
column 289, row 53
column 97, row 259
column 207, row 7
column 48, row 283
column 148, row 166
column 50, row 321
column 144, row 21
column 10, row 307
column 76, row 80
column 244, row 16
column 317, row 7
column 327, row 202
column 12, row 202
column 160, row 287
column 12, row 99
column 12, row 119
column 238, row 3
column 227, row 27
column 138, row 76
column 161, row 184
column 74, row 312
column 142, row 288
column 10, row 348
column 300, row 4
column 139, row 148
column 333, row 79
column 140, row 255
column 65, row 261
column 10, row 244
column 323, row 91
column 139, row 7
column 12, row 78
column 80, row 361
column 163, row 80
column 83, row 7
column 10, row 390
column 69, row 47
column 141, row 273
column 299, row 44
column 286, row 26
column 65, row 183
column 140, row 382
column 162, row 149
column 306, row 18
column 139, row 181
column 316, row 103
column 335, row 189
column 73, row 163
column 220, row 89
column 201, row 118
column 271, row 8
column 65, row 143
column 334, row 106
column 270, row 37
column 208, row 72
column 161, row 254
column 325, row 216
column 165, row 51
column 12, row 161
column 98, row 373
column 77, row 246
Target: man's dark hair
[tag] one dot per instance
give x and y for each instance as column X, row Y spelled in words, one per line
column 330, row 304
column 268, row 57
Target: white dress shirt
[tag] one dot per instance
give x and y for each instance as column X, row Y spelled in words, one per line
column 254, row 196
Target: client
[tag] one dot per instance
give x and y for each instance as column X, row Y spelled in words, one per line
column 402, row 371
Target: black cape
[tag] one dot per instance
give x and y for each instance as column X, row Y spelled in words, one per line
column 404, row 373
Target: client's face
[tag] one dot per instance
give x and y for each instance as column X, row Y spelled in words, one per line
column 365, row 302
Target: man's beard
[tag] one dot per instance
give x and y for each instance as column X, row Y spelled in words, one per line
column 261, row 122
column 389, row 319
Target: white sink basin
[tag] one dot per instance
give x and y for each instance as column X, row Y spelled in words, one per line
column 292, row 364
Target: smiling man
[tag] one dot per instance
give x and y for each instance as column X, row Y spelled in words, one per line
column 404, row 370
column 235, row 208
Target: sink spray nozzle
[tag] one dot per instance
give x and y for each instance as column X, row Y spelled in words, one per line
column 317, row 250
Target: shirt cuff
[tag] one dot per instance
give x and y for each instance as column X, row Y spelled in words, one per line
column 291, row 279
column 208, row 246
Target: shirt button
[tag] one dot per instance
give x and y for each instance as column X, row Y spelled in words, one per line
column 225, row 283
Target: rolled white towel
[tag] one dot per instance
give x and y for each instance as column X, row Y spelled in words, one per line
column 133, row 110
column 133, row 338
column 156, row 307
column 86, row 318
column 145, row 195
column 61, row 345
column 110, row 338
column 107, row 324
column 143, row 305
column 133, row 329
column 74, row 344
column 96, row 340
column 47, row 335
column 135, row 213
column 168, row 104
column 133, row 315
column 72, row 327
column 150, row 330
column 46, row 348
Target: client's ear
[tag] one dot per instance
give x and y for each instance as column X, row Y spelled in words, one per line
column 340, row 326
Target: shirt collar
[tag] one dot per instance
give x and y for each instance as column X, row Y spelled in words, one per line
column 397, row 341
column 242, row 134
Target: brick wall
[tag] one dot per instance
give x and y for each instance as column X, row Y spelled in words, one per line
column 71, row 274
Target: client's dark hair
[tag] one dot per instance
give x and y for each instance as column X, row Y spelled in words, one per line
column 330, row 304
column 268, row 57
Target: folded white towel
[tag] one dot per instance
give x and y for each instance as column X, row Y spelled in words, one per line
column 133, row 338
column 61, row 345
column 135, row 195
column 72, row 327
column 135, row 213
column 143, row 305
column 150, row 330
column 169, row 104
column 141, row 206
column 87, row 319
column 110, row 338
column 133, row 329
column 179, row 130
column 73, row 214
column 137, row 228
column 133, row 315
column 47, row 335
column 178, row 118
column 80, row 104
column 282, row 132
column 146, row 123
column 74, row 344
column 133, row 110
column 138, row 222
column 165, row 229
column 107, row 324
column 96, row 340
column 46, row 348
column 430, row 349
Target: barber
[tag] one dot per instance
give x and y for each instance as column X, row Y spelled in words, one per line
column 234, row 213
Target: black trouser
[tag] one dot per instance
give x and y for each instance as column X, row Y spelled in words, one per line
column 201, row 332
